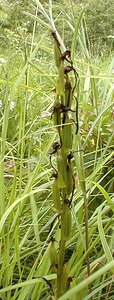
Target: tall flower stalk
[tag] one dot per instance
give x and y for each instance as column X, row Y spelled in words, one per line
column 64, row 183
column 65, row 117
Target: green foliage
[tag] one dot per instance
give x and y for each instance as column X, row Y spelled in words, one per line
column 27, row 217
column 98, row 21
column 12, row 12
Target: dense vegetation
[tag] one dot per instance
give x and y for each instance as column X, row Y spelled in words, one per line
column 98, row 20
column 29, row 222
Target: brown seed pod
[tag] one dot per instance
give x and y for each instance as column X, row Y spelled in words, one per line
column 66, row 54
column 68, row 69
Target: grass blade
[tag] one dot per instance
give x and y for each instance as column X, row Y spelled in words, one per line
column 90, row 279
column 75, row 34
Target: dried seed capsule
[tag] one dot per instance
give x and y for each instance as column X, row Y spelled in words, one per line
column 67, row 53
column 67, row 223
column 53, row 255
column 68, row 69
column 56, row 195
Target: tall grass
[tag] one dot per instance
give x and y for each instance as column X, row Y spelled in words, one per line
column 28, row 76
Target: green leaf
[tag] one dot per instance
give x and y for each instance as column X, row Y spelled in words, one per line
column 105, row 194
column 87, row 281
column 27, row 282
column 75, row 34
column 103, row 240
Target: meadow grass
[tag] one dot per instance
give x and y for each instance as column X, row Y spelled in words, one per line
column 28, row 76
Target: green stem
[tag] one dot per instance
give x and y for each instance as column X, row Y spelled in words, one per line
column 61, row 257
column 83, row 186
column 86, row 232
